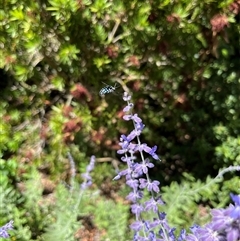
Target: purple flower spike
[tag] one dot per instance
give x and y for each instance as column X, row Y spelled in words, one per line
column 4, row 229
column 86, row 176
column 138, row 178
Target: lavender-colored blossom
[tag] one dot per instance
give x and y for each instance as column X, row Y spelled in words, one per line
column 143, row 167
column 226, row 222
column 86, row 176
column 137, row 209
column 235, row 198
column 152, row 204
column 207, row 233
column 126, row 96
column 149, row 150
column 194, row 228
column 133, row 183
column 182, row 235
column 128, row 159
column 127, row 173
column 162, row 215
column 233, row 234
column 235, row 210
column 4, row 229
column 135, row 196
column 124, row 141
column 191, row 237
column 135, row 133
column 139, row 126
column 134, row 117
column 155, row 223
column 220, row 220
column 152, row 236
column 137, row 225
column 137, row 237
column 128, row 107
column 151, row 186
column 171, row 233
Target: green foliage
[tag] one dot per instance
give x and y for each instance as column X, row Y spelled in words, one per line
column 112, row 218
column 10, row 203
column 175, row 57
column 72, row 208
column 181, row 198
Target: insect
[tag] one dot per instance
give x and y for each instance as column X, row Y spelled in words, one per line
column 107, row 89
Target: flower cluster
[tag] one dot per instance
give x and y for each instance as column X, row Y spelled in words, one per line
column 4, row 229
column 225, row 224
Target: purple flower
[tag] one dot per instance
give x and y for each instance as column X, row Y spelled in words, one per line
column 4, row 229
column 191, row 237
column 135, row 196
column 133, row 134
column 171, row 233
column 220, row 220
column 127, row 172
column 207, row 234
column 233, row 234
column 139, row 126
column 128, row 107
column 151, row 151
column 143, row 167
column 152, row 236
column 152, row 204
column 151, row 186
column 182, row 235
column 126, row 96
column 137, row 225
column 235, row 210
column 124, row 142
column 134, row 117
column 162, row 215
column 137, row 209
column 128, row 159
column 133, row 183
column 236, row 199
column 194, row 228
column 86, row 176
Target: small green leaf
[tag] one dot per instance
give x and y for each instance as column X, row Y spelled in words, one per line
column 16, row 14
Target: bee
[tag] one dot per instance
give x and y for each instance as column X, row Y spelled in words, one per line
column 107, row 89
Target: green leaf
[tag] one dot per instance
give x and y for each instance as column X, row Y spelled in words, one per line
column 58, row 83
column 16, row 14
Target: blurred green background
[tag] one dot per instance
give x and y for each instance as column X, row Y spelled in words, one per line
column 179, row 60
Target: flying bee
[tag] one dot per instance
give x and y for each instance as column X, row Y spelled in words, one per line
column 107, row 89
